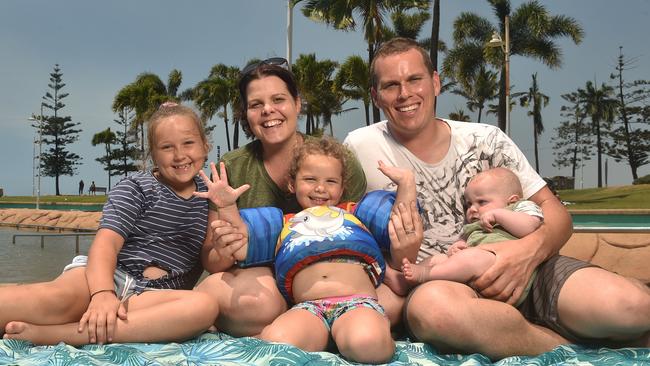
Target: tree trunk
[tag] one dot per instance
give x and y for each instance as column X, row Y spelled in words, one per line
column 225, row 121
column 599, row 147
column 435, row 34
column 235, row 136
column 536, row 152
column 366, row 108
column 375, row 111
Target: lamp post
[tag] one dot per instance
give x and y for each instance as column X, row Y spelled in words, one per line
column 497, row 41
column 38, row 158
column 289, row 31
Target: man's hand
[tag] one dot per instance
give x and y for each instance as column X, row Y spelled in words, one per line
column 406, row 234
column 506, row 280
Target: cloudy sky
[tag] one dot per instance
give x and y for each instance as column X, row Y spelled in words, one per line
column 103, row 45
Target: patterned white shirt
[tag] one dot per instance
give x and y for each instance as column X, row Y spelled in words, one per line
column 474, row 148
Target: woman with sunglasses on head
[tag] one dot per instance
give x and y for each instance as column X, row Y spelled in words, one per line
column 248, row 298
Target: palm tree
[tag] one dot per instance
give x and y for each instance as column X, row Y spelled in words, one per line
column 353, row 81
column 459, row 115
column 106, row 137
column 601, row 106
column 320, row 98
column 144, row 96
column 218, row 90
column 538, row 101
column 533, row 33
column 480, row 91
column 340, row 14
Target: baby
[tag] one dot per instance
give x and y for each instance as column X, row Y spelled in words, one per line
column 494, row 212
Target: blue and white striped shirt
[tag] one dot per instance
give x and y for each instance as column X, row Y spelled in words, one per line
column 159, row 229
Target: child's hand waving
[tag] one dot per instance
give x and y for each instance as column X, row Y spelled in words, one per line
column 219, row 191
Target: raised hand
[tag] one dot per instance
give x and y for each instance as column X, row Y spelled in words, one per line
column 396, row 174
column 219, row 191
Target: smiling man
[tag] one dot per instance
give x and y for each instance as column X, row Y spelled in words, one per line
column 444, row 155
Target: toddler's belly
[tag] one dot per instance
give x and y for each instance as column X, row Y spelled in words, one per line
column 327, row 279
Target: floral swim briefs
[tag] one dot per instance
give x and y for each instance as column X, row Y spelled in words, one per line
column 331, row 308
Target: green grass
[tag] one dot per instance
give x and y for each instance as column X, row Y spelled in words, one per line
column 100, row 199
column 619, row 197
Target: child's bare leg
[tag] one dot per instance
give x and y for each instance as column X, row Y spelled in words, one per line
column 395, row 280
column 363, row 335
column 62, row 300
column 154, row 316
column 463, row 267
column 299, row 328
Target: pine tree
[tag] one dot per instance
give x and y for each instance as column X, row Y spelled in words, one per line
column 630, row 137
column 573, row 144
column 58, row 133
column 126, row 153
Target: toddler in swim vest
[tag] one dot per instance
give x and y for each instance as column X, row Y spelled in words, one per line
column 328, row 258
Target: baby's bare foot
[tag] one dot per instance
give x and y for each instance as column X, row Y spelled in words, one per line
column 414, row 273
column 396, row 281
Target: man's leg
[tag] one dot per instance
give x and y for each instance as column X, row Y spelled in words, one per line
column 392, row 303
column 595, row 303
column 248, row 300
column 451, row 317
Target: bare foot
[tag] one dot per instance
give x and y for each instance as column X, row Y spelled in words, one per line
column 45, row 334
column 20, row 330
column 415, row 273
column 395, row 280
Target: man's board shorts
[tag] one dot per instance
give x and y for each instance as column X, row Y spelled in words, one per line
column 332, row 308
column 540, row 306
column 125, row 284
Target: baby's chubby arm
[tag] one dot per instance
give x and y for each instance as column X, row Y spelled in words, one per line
column 516, row 223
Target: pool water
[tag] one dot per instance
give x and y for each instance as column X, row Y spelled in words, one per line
column 611, row 220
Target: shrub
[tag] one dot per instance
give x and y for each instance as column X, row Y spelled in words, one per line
column 642, row 180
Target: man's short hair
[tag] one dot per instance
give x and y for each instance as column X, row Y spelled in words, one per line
column 395, row 46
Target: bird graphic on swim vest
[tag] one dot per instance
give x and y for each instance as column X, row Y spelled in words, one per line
column 321, row 221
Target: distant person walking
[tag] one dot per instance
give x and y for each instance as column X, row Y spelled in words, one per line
column 91, row 190
column 81, row 187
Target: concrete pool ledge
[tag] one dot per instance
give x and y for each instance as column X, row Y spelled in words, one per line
column 626, row 253
column 33, row 219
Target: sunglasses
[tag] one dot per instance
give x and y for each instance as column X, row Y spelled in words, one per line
column 275, row 61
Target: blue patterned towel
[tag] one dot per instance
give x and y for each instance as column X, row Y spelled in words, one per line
column 221, row 349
